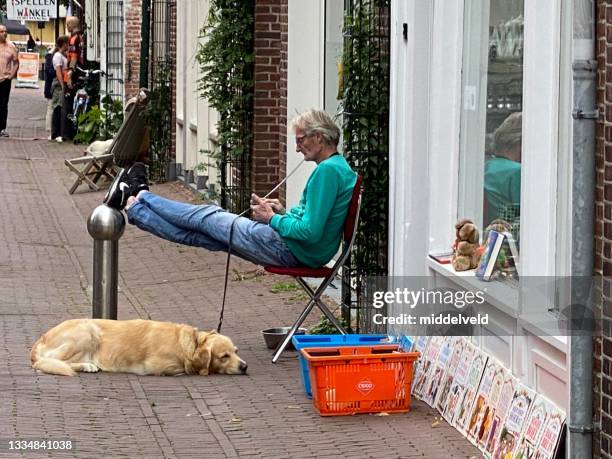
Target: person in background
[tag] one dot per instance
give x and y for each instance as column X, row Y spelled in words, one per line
column 60, row 65
column 76, row 52
column 49, row 77
column 502, row 178
column 75, row 57
column 31, row 44
column 9, row 64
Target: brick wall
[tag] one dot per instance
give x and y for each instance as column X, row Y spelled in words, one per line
column 131, row 58
column 602, row 368
column 270, row 102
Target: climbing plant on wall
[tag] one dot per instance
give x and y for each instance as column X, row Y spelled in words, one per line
column 226, row 60
column 365, row 104
column 158, row 116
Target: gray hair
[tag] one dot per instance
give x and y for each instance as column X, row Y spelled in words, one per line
column 509, row 134
column 315, row 121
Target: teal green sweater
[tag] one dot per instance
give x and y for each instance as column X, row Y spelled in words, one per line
column 502, row 185
column 312, row 230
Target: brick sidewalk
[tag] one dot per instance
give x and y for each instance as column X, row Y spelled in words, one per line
column 45, row 275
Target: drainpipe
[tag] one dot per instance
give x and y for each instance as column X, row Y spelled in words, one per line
column 145, row 30
column 584, row 113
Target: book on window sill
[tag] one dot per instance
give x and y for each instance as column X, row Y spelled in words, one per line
column 513, row 255
column 489, row 256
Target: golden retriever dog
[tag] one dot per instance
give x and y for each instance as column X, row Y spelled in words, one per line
column 143, row 347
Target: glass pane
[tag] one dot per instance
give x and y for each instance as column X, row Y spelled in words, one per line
column 491, row 125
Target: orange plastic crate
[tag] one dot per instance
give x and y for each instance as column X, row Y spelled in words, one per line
column 360, row 379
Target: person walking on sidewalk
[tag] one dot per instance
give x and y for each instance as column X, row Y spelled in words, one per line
column 308, row 234
column 75, row 58
column 60, row 65
column 9, row 64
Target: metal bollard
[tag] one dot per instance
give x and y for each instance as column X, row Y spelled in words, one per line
column 106, row 226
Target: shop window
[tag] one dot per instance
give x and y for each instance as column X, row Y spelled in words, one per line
column 491, row 115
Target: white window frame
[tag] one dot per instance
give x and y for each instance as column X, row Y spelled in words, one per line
column 425, row 135
column 541, row 105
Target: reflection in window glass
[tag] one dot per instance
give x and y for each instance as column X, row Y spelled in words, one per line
column 491, row 127
column 502, row 179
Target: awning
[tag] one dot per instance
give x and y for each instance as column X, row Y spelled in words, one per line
column 15, row 27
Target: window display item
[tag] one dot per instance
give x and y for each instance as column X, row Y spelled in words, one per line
column 490, row 255
column 467, row 253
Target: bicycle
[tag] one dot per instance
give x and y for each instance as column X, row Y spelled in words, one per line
column 89, row 83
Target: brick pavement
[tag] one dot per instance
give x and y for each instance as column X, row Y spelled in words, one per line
column 45, row 275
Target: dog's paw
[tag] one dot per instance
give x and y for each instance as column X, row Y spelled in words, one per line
column 88, row 368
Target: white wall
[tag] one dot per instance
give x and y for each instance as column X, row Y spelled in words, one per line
column 195, row 120
column 304, row 80
column 409, row 142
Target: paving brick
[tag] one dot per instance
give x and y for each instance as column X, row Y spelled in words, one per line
column 46, row 273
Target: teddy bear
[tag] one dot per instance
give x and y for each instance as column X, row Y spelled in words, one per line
column 466, row 248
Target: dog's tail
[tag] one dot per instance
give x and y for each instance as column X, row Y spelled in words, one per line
column 53, row 366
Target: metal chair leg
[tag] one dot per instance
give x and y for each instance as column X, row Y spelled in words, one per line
column 296, row 325
column 325, row 310
column 316, row 296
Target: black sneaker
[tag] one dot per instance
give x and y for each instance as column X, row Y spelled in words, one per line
column 119, row 192
column 137, row 178
column 4, row 134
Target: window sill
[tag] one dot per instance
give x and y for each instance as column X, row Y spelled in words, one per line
column 505, row 298
column 498, row 294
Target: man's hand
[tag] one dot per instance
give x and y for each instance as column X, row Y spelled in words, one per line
column 276, row 205
column 261, row 211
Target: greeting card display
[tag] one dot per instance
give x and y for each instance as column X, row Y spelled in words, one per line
column 433, row 383
column 506, row 395
column 449, row 375
column 549, row 441
column 427, row 363
column 487, row 396
column 464, row 409
column 456, row 392
column 541, row 410
column 420, row 344
column 510, row 433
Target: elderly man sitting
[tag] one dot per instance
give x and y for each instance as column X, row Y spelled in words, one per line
column 308, row 234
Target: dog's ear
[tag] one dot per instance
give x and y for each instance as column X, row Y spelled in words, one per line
column 203, row 336
column 203, row 356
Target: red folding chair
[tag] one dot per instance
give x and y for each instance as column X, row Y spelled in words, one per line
column 327, row 274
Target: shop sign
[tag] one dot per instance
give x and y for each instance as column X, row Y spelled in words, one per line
column 31, row 10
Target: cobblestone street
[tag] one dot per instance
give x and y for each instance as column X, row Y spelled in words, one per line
column 45, row 278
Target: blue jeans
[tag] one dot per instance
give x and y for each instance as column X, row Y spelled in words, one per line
column 208, row 226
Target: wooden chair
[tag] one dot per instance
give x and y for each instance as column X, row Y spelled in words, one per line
column 126, row 147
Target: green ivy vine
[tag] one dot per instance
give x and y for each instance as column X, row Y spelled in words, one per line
column 226, row 60
column 158, row 116
column 365, row 109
